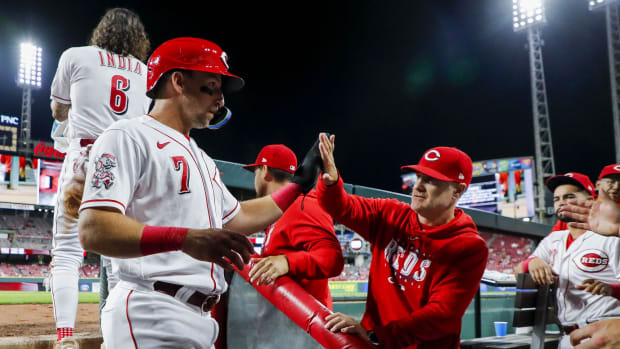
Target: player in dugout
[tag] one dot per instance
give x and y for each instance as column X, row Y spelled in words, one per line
column 301, row 244
column 427, row 257
column 569, row 257
column 602, row 217
column 609, row 182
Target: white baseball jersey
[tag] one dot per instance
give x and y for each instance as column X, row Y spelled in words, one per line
column 590, row 256
column 158, row 176
column 102, row 87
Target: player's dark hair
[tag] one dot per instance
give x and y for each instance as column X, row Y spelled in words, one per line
column 121, row 31
column 280, row 175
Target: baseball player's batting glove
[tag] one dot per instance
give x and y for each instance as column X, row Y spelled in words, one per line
column 308, row 172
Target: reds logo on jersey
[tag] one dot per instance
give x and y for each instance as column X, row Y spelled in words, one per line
column 103, row 171
column 406, row 262
column 591, row 261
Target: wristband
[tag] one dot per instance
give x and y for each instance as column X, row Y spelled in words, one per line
column 161, row 239
column 526, row 263
column 286, row 195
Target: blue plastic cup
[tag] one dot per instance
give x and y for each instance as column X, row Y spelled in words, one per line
column 501, row 327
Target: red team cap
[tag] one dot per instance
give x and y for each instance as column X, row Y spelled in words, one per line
column 191, row 54
column 573, row 178
column 276, row 156
column 609, row 170
column 445, row 164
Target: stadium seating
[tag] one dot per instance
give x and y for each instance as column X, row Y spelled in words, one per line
column 42, row 270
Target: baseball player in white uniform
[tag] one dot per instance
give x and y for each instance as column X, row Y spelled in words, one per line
column 575, row 255
column 94, row 86
column 155, row 199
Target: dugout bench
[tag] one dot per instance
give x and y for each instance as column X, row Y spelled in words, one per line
column 535, row 307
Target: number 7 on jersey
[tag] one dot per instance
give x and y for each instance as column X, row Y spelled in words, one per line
column 180, row 164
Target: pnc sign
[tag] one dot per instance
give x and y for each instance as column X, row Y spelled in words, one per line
column 45, row 150
column 9, row 120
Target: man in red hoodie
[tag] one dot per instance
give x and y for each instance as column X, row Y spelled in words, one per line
column 428, row 258
column 301, row 244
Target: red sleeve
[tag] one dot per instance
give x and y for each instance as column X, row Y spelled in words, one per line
column 449, row 298
column 559, row 225
column 615, row 290
column 318, row 254
column 362, row 215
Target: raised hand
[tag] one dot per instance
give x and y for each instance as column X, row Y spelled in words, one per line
column 327, row 146
column 309, row 169
column 601, row 216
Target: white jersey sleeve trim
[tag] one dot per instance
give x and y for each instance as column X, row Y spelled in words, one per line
column 232, row 214
column 60, row 99
column 102, row 203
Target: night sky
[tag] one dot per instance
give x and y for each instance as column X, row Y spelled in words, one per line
column 389, row 78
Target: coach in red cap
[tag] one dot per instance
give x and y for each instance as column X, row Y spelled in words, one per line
column 301, row 244
column 428, row 258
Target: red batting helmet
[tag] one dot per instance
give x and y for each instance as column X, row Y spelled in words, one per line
column 191, row 54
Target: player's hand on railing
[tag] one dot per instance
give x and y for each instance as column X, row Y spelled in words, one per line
column 603, row 334
column 220, row 246
column 267, row 269
column 540, row 271
column 595, row 287
column 338, row 322
column 601, row 216
column 327, row 146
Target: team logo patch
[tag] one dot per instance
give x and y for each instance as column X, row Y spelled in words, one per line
column 103, row 171
column 591, row 261
column 617, row 168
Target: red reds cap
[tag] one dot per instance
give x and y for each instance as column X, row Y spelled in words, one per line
column 609, row 170
column 573, row 178
column 276, row 156
column 445, row 164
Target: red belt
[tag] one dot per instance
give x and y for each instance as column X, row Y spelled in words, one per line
column 86, row 141
column 201, row 300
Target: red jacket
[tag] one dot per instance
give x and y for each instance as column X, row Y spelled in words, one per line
column 421, row 280
column 307, row 239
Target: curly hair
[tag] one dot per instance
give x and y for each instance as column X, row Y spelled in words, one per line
column 121, row 31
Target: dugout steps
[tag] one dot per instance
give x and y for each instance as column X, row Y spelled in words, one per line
column 86, row 340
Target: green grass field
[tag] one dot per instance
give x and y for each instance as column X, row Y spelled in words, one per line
column 21, row 297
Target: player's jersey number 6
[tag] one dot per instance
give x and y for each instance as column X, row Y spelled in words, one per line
column 118, row 98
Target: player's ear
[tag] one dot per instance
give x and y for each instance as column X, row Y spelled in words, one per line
column 177, row 80
column 267, row 175
column 459, row 189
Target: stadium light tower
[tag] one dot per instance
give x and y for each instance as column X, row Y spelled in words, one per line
column 529, row 16
column 613, row 51
column 28, row 78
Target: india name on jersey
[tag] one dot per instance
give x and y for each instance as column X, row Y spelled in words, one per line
column 590, row 256
column 157, row 176
column 102, row 87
